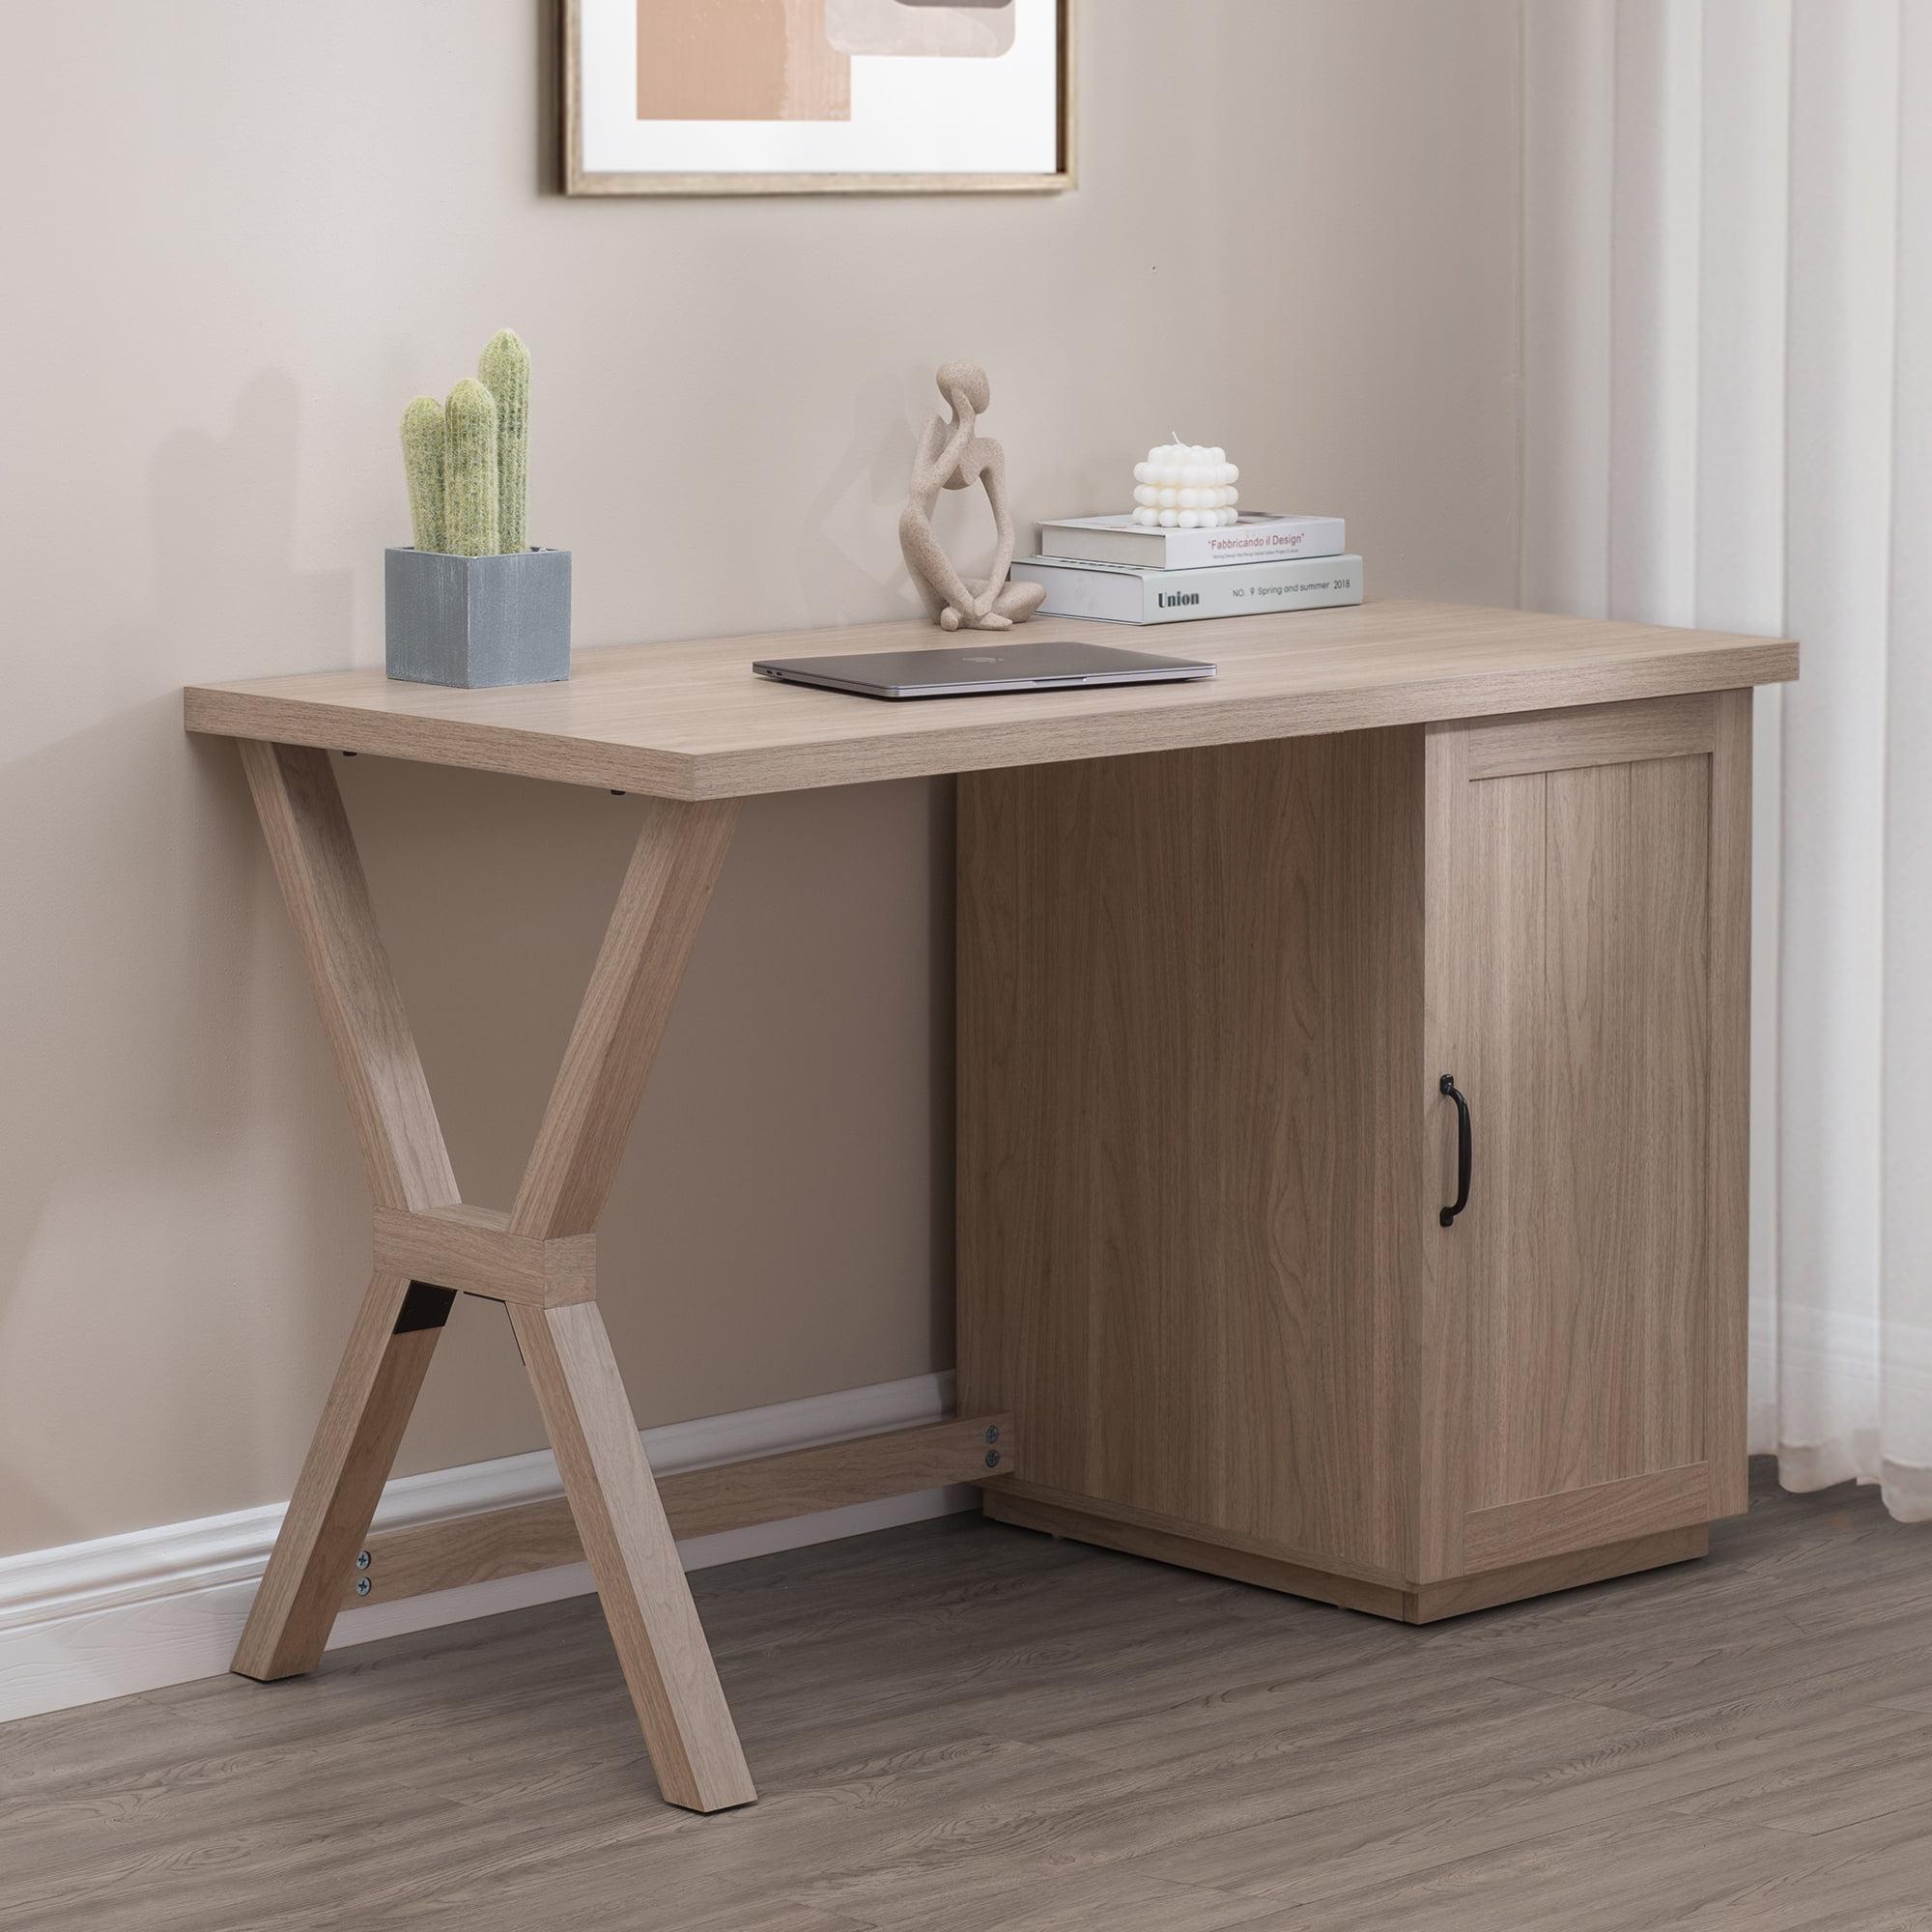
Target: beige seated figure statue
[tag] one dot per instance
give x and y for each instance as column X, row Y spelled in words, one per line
column 953, row 456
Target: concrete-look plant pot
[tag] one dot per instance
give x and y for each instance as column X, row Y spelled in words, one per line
column 477, row 620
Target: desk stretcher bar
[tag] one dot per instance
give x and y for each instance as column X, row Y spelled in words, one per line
column 400, row 1563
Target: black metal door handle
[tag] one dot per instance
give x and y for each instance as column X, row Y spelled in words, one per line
column 1463, row 1150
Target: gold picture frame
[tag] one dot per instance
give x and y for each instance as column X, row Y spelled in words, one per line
column 582, row 179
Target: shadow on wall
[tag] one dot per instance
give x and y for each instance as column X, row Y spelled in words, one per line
column 147, row 1048
column 867, row 487
column 184, row 1201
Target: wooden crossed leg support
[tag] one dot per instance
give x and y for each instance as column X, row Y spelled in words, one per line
column 538, row 1260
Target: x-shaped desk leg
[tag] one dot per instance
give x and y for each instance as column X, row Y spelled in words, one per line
column 534, row 1260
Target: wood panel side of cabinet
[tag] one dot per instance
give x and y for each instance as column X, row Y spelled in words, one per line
column 1190, row 1185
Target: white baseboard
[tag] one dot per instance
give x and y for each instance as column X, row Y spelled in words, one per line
column 164, row 1606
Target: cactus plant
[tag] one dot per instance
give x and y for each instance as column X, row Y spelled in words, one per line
column 422, row 467
column 466, row 462
column 470, row 519
column 504, row 367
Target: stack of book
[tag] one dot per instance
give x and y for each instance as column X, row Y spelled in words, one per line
column 1120, row 570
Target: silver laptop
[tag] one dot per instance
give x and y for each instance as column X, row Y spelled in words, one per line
column 964, row 670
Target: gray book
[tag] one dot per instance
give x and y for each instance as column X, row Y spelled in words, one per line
column 1119, row 593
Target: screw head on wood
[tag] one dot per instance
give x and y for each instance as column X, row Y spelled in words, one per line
column 364, row 1586
column 362, row 1559
column 992, row 1431
column 992, row 1459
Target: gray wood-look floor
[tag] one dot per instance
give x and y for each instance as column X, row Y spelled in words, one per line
column 963, row 1727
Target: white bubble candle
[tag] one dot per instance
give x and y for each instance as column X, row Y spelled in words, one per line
column 1186, row 485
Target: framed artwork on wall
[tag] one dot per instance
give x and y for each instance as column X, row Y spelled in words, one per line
column 813, row 96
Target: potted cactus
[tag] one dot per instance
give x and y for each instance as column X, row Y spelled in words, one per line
column 471, row 603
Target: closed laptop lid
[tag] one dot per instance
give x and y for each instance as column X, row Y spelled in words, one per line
column 961, row 669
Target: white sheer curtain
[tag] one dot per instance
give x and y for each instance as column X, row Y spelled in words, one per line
column 1727, row 421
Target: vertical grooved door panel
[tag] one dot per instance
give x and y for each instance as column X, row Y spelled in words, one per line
column 1588, row 989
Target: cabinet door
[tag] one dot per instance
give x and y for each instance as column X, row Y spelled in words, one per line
column 1587, row 985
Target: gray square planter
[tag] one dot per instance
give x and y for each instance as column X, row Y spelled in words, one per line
column 477, row 620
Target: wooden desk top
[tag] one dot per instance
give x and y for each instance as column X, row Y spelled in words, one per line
column 690, row 719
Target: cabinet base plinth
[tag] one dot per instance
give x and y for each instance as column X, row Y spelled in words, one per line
column 1426, row 1603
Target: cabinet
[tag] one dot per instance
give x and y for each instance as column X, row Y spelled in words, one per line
column 1206, row 999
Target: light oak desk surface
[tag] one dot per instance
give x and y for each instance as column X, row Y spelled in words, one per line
column 688, row 721
column 690, row 726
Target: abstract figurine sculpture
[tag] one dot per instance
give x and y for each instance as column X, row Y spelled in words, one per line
column 952, row 456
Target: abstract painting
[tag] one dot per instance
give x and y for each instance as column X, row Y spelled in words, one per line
column 764, row 97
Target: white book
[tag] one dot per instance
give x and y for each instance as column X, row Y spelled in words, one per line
column 1260, row 536
column 1117, row 593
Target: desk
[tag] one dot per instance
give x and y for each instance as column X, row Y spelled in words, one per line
column 1218, row 943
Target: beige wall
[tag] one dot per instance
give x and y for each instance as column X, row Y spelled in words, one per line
column 238, row 236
